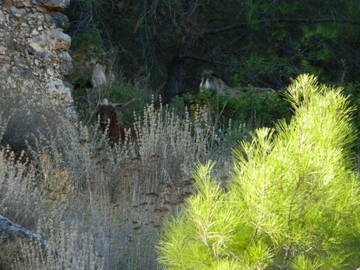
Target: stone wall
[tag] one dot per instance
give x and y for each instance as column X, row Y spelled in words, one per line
column 34, row 53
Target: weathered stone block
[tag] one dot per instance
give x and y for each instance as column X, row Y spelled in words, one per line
column 53, row 4
column 60, row 20
column 54, row 39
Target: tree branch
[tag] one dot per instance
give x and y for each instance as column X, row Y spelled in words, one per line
column 200, row 59
column 296, row 20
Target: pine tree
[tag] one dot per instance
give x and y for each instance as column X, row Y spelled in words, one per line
column 292, row 203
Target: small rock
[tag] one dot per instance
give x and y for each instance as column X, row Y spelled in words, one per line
column 18, row 13
column 34, row 32
column 2, row 17
column 35, row 47
column 66, row 63
column 5, row 68
column 60, row 20
column 9, row 230
column 2, row 49
column 50, row 72
column 57, row 90
column 70, row 113
column 51, row 40
column 22, row 3
column 53, row 4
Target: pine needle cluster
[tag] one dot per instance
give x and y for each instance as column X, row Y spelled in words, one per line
column 293, row 201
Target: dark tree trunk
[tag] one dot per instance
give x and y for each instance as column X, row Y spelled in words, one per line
column 175, row 80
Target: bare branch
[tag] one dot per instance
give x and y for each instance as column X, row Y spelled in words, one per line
column 209, row 61
column 296, row 20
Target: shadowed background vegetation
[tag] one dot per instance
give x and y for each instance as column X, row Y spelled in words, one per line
column 163, row 46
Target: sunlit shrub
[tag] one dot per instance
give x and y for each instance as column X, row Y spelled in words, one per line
column 251, row 107
column 293, row 201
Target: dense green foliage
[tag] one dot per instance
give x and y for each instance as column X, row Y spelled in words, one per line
column 251, row 108
column 167, row 44
column 292, row 203
column 261, row 43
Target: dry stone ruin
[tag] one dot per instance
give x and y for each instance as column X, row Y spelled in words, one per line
column 34, row 59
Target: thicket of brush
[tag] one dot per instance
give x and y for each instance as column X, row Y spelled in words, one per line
column 293, row 201
column 99, row 206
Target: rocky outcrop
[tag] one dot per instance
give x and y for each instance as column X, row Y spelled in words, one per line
column 12, row 238
column 10, row 231
column 54, row 4
column 34, row 54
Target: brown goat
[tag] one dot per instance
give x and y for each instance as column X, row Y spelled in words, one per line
column 108, row 119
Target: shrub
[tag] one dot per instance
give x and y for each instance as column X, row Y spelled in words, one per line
column 116, row 196
column 251, row 108
column 66, row 249
column 293, row 201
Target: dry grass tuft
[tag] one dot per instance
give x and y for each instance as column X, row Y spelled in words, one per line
column 66, row 249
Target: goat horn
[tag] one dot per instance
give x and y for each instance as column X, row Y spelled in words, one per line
column 125, row 104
